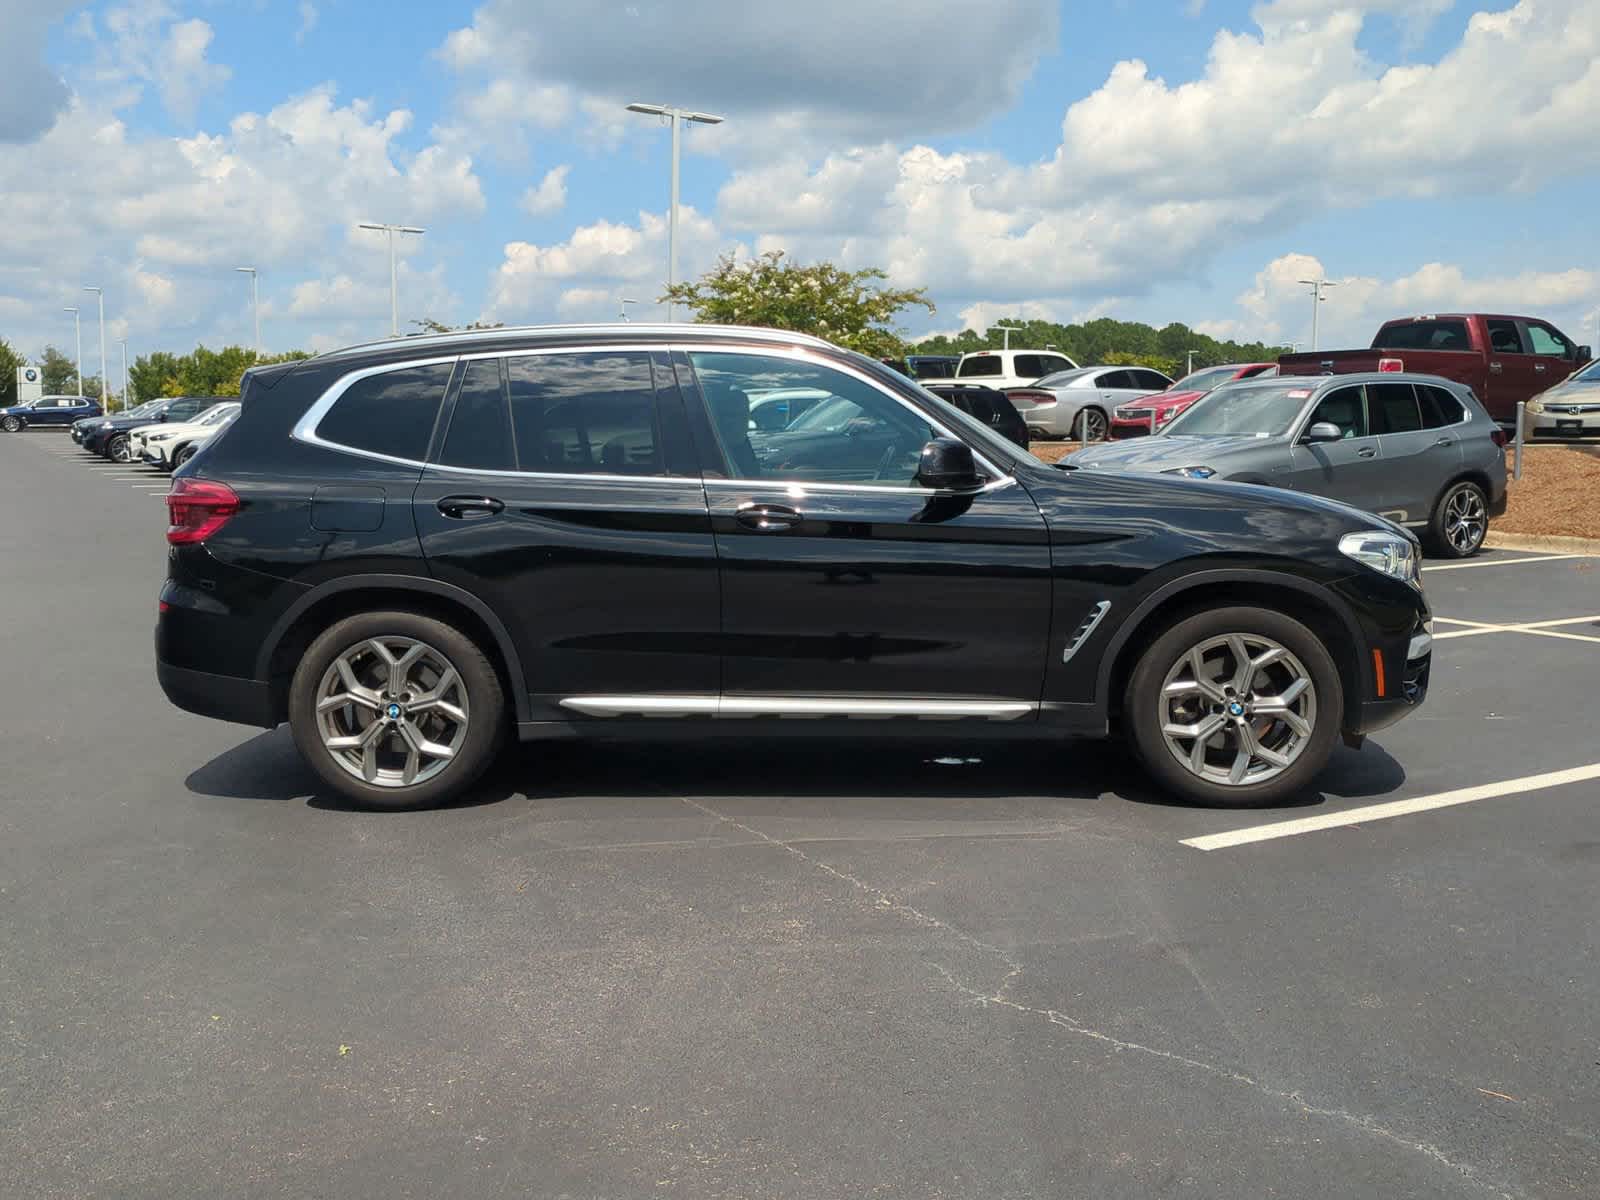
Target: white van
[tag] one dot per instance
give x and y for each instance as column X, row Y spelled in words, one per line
column 1010, row 368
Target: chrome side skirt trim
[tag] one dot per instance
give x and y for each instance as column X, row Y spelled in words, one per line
column 797, row 707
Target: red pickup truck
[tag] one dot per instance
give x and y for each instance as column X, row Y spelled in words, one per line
column 1502, row 359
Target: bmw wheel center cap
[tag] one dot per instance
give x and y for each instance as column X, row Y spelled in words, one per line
column 1235, row 709
column 393, row 712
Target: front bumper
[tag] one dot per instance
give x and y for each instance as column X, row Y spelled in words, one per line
column 154, row 453
column 1559, row 420
column 1122, row 427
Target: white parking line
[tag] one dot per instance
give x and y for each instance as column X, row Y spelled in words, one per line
column 1504, row 562
column 1537, row 628
column 1394, row 808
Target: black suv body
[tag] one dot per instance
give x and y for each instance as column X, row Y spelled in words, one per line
column 408, row 549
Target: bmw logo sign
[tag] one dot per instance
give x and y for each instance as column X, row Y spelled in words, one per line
column 1236, row 709
column 29, row 375
column 394, row 712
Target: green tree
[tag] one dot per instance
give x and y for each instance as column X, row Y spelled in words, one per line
column 154, row 375
column 1167, row 366
column 1094, row 343
column 59, row 375
column 10, row 360
column 429, row 325
column 848, row 308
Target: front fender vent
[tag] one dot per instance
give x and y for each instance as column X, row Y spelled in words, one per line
column 1083, row 632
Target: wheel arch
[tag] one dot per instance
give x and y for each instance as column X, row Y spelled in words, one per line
column 332, row 601
column 1310, row 604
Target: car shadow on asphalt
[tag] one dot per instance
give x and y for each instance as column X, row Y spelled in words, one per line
column 268, row 767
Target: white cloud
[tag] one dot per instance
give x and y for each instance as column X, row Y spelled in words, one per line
column 550, row 196
column 308, row 21
column 1279, row 306
column 31, row 92
column 823, row 69
column 147, row 44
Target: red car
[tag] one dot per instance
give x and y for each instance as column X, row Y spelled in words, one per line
column 1150, row 413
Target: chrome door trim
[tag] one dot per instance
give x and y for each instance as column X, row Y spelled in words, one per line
column 802, row 707
column 305, row 429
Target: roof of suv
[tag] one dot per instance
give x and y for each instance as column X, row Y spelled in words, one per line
column 489, row 339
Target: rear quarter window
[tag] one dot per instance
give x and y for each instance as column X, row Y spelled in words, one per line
column 987, row 365
column 392, row 413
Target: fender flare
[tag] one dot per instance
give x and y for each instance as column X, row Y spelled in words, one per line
column 1279, row 579
column 422, row 586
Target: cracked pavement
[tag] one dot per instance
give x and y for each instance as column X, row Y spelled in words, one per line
column 768, row 969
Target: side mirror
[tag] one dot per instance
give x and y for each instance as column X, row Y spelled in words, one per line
column 947, row 465
column 1323, row 431
column 1583, row 354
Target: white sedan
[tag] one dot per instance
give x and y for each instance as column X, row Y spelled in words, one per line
column 1079, row 403
column 168, row 447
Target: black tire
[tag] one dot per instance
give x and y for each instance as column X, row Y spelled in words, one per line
column 117, row 449
column 1460, row 521
column 1143, row 706
column 182, row 456
column 12, row 424
column 485, row 696
column 1095, row 417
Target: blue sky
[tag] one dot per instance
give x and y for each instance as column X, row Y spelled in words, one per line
column 1148, row 159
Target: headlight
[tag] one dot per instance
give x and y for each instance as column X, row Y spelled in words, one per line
column 1536, row 406
column 1389, row 553
column 1191, row 472
column 159, row 437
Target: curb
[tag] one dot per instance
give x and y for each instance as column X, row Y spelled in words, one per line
column 1535, row 541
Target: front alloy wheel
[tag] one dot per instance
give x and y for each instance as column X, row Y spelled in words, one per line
column 1234, row 706
column 11, row 424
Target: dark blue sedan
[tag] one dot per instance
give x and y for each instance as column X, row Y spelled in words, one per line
column 47, row 410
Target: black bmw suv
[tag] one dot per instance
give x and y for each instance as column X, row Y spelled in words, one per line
column 410, row 550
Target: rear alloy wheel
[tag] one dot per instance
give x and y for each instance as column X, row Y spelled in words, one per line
column 117, row 449
column 396, row 710
column 1091, row 425
column 11, row 424
column 1460, row 522
column 1235, row 708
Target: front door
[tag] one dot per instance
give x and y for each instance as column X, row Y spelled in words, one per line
column 847, row 588
column 564, row 494
column 1554, row 357
column 1350, row 469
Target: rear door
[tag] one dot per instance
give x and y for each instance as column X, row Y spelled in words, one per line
column 1351, row 469
column 563, row 493
column 1511, row 374
column 848, row 588
column 1419, row 457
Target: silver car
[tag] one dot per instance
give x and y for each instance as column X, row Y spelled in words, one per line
column 1079, row 403
column 1571, row 408
column 1414, row 448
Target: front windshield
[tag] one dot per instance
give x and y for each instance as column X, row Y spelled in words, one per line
column 1203, row 381
column 1267, row 410
column 1590, row 374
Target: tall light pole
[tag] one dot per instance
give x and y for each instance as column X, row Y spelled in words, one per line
column 77, row 327
column 124, row 344
column 105, row 387
column 1190, row 370
column 1005, row 332
column 622, row 307
column 1317, row 287
column 255, row 304
column 677, row 116
column 394, row 278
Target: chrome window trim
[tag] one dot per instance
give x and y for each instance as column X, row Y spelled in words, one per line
column 305, row 429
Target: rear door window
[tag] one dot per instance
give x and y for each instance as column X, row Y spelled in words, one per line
column 391, row 413
column 590, row 412
column 480, row 427
column 1031, row 366
column 1439, row 407
column 1394, row 408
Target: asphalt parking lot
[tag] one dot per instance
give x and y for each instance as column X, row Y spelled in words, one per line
column 784, row 970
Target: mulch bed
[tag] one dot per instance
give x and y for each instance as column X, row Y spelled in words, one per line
column 1558, row 496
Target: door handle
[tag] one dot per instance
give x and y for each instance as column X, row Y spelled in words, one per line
column 1445, row 442
column 767, row 518
column 1495, row 368
column 470, row 508
column 1366, row 452
column 1539, row 367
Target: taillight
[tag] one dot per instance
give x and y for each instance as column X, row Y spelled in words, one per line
column 1391, row 364
column 198, row 507
column 1499, row 438
column 1036, row 399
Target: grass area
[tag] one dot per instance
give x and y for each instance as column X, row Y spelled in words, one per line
column 1558, row 496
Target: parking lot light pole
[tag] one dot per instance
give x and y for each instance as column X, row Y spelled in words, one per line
column 105, row 387
column 622, row 307
column 394, row 277
column 1005, row 334
column 1317, row 287
column 677, row 116
column 124, row 343
column 255, row 304
column 77, row 327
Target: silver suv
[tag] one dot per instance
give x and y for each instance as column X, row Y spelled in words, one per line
column 1414, row 448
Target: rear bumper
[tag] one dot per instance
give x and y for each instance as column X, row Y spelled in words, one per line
column 223, row 697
